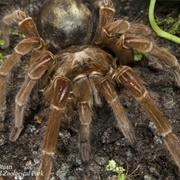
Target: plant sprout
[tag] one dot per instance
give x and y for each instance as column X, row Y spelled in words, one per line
column 111, row 166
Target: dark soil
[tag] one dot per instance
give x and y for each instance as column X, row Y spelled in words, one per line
column 148, row 160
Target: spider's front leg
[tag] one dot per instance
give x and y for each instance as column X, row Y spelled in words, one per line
column 61, row 88
column 129, row 42
column 108, row 31
column 33, row 40
column 133, row 84
column 25, row 23
column 144, row 45
column 36, row 70
column 27, row 26
column 40, row 60
column 121, row 38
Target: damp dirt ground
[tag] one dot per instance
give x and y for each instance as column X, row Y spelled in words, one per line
column 147, row 160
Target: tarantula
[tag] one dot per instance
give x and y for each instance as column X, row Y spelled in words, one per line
column 81, row 71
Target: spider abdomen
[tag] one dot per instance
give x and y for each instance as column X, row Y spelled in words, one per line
column 62, row 23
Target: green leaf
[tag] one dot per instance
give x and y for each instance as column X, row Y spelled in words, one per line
column 138, row 57
column 122, row 177
column 111, row 165
column 170, row 20
column 2, row 42
column 175, row 28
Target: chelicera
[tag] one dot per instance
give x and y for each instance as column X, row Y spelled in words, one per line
column 82, row 71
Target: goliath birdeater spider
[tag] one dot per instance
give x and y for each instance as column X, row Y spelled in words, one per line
column 82, row 70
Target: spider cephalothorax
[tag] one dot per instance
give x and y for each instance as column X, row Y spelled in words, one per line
column 81, row 74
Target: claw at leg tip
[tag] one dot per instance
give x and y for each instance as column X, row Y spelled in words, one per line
column 15, row 132
column 177, row 75
column 173, row 145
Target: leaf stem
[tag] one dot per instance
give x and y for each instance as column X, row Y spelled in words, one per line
column 156, row 28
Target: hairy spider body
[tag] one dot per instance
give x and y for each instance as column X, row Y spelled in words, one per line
column 80, row 74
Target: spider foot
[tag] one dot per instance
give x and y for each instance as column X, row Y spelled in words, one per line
column 85, row 146
column 173, row 145
column 5, row 36
column 128, row 133
column 25, row 23
column 2, row 97
column 124, row 124
column 15, row 132
column 85, row 116
column 2, row 114
column 104, row 4
column 176, row 71
column 85, row 152
column 44, row 170
column 8, row 20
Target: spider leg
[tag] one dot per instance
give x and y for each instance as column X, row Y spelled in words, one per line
column 110, row 95
column 129, row 42
column 28, row 28
column 85, row 116
column 22, row 48
column 25, row 23
column 106, row 15
column 61, row 89
column 83, row 93
column 39, row 62
column 144, row 45
column 133, row 84
column 35, row 72
column 111, row 33
column 108, row 31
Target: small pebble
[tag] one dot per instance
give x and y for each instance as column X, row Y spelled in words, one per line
column 2, row 140
column 28, row 163
column 101, row 161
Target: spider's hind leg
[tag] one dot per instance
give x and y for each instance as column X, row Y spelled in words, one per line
column 133, row 84
column 121, row 38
